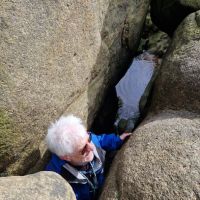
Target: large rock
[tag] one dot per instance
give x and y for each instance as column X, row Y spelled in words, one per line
column 58, row 57
column 168, row 14
column 159, row 161
column 177, row 86
column 40, row 186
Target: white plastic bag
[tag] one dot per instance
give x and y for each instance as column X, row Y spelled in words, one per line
column 131, row 88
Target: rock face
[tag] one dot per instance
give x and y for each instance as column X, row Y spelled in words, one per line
column 159, row 161
column 58, row 57
column 168, row 14
column 161, row 158
column 178, row 84
column 40, row 186
column 153, row 40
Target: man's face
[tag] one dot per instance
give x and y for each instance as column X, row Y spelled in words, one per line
column 84, row 152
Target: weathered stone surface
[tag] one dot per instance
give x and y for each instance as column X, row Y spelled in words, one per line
column 161, row 158
column 153, row 40
column 58, row 57
column 178, row 84
column 159, row 161
column 168, row 14
column 40, row 186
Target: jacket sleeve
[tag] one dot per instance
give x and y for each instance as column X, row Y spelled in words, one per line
column 109, row 142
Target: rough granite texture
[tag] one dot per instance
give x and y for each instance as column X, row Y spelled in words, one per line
column 40, row 186
column 153, row 40
column 191, row 3
column 177, row 86
column 159, row 161
column 58, row 57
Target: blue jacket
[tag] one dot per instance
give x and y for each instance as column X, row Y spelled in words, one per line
column 107, row 142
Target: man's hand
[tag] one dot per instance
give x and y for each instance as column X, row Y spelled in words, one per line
column 123, row 136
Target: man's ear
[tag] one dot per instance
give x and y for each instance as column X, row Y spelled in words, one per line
column 67, row 158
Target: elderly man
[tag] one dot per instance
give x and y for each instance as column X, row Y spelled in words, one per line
column 78, row 155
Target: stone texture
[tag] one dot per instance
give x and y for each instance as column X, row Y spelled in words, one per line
column 161, row 158
column 40, row 186
column 159, row 161
column 178, row 83
column 58, row 57
column 168, row 14
column 153, row 40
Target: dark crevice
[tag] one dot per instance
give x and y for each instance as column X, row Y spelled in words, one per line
column 106, row 115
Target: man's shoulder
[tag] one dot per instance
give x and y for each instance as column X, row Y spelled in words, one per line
column 95, row 139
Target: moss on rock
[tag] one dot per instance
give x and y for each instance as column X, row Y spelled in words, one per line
column 8, row 139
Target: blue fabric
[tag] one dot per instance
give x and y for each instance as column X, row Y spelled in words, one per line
column 83, row 191
column 108, row 142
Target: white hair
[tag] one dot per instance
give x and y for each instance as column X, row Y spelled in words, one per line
column 63, row 135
